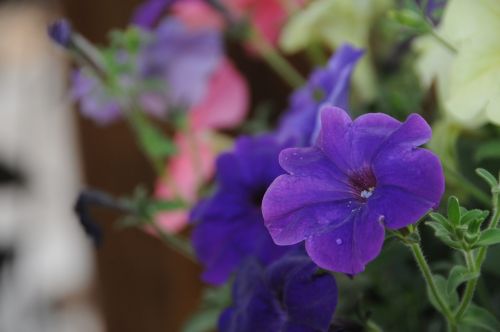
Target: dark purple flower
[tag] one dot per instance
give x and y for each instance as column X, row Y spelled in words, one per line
column 360, row 176
column 331, row 85
column 60, row 32
column 184, row 59
column 148, row 13
column 230, row 227
column 291, row 295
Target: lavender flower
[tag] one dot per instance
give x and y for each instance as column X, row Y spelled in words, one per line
column 171, row 70
column 96, row 102
column 184, row 59
column 60, row 32
column 360, row 176
column 329, row 84
column 290, row 295
column 229, row 225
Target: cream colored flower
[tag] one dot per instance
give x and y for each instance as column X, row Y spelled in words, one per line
column 334, row 22
column 469, row 79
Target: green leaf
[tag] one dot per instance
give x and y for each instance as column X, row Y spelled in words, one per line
column 441, row 285
column 214, row 301
column 151, row 138
column 487, row 176
column 458, row 275
column 410, row 19
column 478, row 317
column 439, row 229
column 439, row 218
column 488, row 150
column 454, row 210
column 489, row 237
column 202, row 321
column 472, row 215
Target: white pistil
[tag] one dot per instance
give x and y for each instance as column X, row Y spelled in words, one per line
column 367, row 193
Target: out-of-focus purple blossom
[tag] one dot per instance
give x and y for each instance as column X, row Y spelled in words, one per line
column 229, row 224
column 148, row 13
column 95, row 102
column 360, row 176
column 183, row 58
column 171, row 71
column 291, row 295
column 331, row 85
column 432, row 9
column 60, row 32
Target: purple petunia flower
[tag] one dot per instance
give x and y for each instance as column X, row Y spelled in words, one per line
column 95, row 103
column 230, row 227
column 331, row 85
column 148, row 13
column 360, row 176
column 171, row 71
column 184, row 59
column 290, row 295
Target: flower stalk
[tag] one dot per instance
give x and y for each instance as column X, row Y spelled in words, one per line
column 431, row 284
column 475, row 265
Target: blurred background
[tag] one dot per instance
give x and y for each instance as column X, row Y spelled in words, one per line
column 51, row 276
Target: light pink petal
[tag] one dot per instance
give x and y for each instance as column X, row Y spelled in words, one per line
column 226, row 103
column 196, row 14
column 187, row 171
column 172, row 222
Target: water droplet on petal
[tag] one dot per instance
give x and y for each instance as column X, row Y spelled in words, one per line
column 338, row 241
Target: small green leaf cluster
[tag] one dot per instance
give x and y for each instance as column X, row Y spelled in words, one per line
column 461, row 229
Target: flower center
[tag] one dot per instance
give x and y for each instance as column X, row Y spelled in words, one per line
column 363, row 183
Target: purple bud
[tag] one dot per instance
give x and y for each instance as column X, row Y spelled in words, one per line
column 60, row 32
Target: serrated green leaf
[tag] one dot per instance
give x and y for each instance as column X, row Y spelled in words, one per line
column 487, row 176
column 477, row 317
column 454, row 210
column 489, row 237
column 458, row 275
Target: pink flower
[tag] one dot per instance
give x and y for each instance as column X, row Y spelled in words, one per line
column 193, row 164
column 267, row 16
column 224, row 106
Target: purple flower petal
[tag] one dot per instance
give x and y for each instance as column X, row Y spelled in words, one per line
column 289, row 295
column 330, row 84
column 361, row 174
column 148, row 13
column 348, row 247
column 229, row 224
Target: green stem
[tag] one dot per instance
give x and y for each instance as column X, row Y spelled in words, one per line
column 277, row 62
column 174, row 242
column 470, row 287
column 431, row 284
column 137, row 120
column 442, row 41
